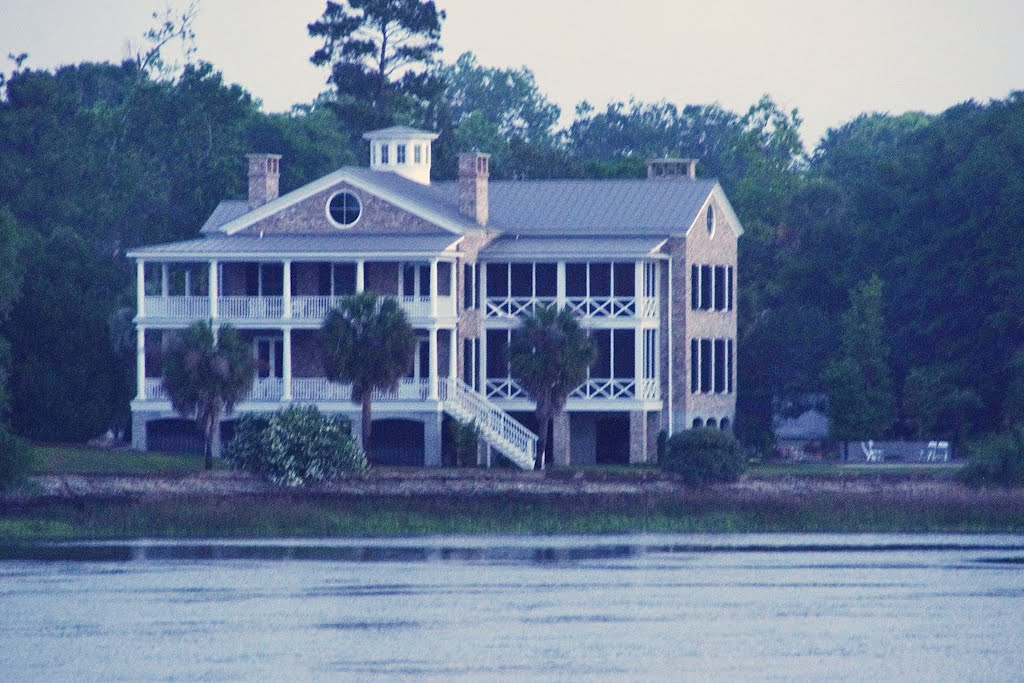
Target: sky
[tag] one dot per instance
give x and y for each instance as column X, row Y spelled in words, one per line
column 830, row 59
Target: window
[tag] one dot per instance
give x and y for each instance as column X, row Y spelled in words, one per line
column 468, row 286
column 602, row 365
column 264, row 279
column 706, row 285
column 415, row 279
column 650, row 354
column 729, row 287
column 384, row 154
column 719, row 366
column 400, row 154
column 694, row 287
column 705, row 366
column 719, row 288
column 344, row 209
column 710, row 219
column 343, row 279
column 417, row 154
column 600, row 279
column 444, row 278
column 694, row 366
column 728, row 365
column 624, row 354
column 576, row 280
column 373, row 155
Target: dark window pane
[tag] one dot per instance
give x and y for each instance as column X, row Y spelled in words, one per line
column 522, row 279
column 719, row 366
column 602, row 367
column 467, row 283
column 252, row 279
column 497, row 353
column 467, row 362
column 705, row 287
column 273, row 279
column 719, row 288
column 694, row 366
column 424, row 350
column 547, row 279
column 729, row 287
column 728, row 366
column 600, row 279
column 625, row 354
column 705, row 365
column 625, row 279
column 575, row 279
column 497, row 280
column 694, row 287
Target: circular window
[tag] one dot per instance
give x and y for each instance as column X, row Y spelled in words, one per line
column 344, row 209
column 711, row 219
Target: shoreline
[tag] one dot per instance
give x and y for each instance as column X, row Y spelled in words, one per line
column 391, row 504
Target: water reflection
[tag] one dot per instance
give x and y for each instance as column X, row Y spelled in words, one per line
column 626, row 607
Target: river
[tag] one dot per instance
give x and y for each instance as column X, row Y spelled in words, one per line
column 635, row 607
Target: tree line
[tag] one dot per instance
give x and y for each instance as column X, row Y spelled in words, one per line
column 878, row 273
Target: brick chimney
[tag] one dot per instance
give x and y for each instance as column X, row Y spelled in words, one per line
column 473, row 174
column 671, row 169
column 264, row 174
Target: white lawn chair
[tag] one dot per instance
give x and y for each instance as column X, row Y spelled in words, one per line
column 871, row 454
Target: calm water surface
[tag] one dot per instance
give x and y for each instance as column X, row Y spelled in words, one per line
column 555, row 608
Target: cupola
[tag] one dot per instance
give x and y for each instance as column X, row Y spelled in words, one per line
column 402, row 150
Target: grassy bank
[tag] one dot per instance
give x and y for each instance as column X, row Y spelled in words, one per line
column 724, row 510
column 53, row 459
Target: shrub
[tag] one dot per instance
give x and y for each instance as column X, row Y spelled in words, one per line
column 15, row 459
column 703, row 456
column 996, row 460
column 461, row 440
column 295, row 447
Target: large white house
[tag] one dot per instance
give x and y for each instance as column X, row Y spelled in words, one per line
column 648, row 266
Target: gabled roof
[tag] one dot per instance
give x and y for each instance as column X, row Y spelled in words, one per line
column 406, row 194
column 514, row 247
column 592, row 207
column 301, row 246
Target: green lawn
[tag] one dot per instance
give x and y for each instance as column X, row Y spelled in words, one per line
column 84, row 460
column 841, row 470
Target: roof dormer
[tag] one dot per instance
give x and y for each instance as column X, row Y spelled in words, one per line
column 402, row 150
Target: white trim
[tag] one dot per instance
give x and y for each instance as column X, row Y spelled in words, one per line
column 447, row 254
column 723, row 203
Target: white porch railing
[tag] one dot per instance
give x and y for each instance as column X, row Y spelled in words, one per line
column 191, row 307
column 322, row 389
column 504, row 388
column 516, row 307
column 154, row 389
column 497, row 427
column 266, row 389
column 251, row 307
column 584, row 307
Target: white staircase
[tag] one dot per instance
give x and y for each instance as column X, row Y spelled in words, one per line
column 499, row 429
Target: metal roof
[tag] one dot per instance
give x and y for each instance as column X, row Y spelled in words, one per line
column 591, row 207
column 297, row 245
column 227, row 210
column 399, row 132
column 576, row 247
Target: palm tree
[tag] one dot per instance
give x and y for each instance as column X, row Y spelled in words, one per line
column 549, row 357
column 206, row 374
column 368, row 342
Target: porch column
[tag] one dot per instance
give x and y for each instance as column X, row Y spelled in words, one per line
column 453, row 354
column 214, row 290
column 165, row 281
column 638, row 287
column 286, row 291
column 360, row 276
column 481, row 287
column 140, row 287
column 560, row 286
column 453, row 289
column 286, row 370
column 433, row 363
column 433, row 288
column 140, row 362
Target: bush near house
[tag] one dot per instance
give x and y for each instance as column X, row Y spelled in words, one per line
column 295, row 447
column 703, row 456
column 996, row 460
column 16, row 458
column 461, row 441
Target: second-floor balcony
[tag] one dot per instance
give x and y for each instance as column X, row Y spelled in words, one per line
column 307, row 390
column 506, row 388
column 583, row 307
column 263, row 308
